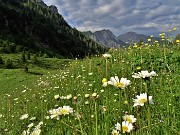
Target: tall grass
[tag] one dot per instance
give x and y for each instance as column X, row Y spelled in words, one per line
column 96, row 109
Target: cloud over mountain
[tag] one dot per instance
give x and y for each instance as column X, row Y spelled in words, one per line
column 120, row 16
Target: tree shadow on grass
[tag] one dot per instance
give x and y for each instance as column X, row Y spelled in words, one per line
column 34, row 73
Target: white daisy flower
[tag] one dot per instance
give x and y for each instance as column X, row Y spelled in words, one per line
column 141, row 99
column 24, row 116
column 118, row 126
column 126, row 127
column 129, row 118
column 65, row 110
column 144, row 74
column 36, row 132
column 30, row 125
column 122, row 83
column 54, row 113
column 115, row 132
column 56, row 96
column 69, row 96
column 90, row 74
column 105, row 84
column 86, row 95
column 107, row 55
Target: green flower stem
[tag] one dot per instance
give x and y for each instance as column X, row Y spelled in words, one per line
column 120, row 106
column 79, row 120
column 126, row 99
column 96, row 117
column 166, row 60
column 106, row 68
column 149, row 111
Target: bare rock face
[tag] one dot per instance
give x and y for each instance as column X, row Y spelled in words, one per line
column 53, row 9
column 105, row 37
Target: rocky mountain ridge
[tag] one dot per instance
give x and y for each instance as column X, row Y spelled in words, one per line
column 108, row 39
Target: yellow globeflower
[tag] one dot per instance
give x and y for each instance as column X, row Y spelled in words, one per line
column 149, row 40
column 104, row 80
column 177, row 41
column 138, row 68
column 162, row 36
column 175, row 29
column 135, row 46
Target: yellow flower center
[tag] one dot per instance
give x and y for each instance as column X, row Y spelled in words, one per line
column 129, row 119
column 143, row 100
column 64, row 111
column 120, row 85
column 124, row 129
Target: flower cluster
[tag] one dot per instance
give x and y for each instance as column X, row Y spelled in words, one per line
column 33, row 131
column 128, row 124
column 115, row 81
column 144, row 74
column 65, row 110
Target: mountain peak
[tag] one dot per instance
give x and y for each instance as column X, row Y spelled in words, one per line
column 132, row 37
column 53, row 9
column 105, row 37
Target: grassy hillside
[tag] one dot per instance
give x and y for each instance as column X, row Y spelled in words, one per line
column 28, row 98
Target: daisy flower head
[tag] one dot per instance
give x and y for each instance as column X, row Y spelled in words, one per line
column 144, row 74
column 24, row 116
column 54, row 113
column 65, row 110
column 118, row 126
column 56, row 96
column 69, row 96
column 122, row 83
column 115, row 132
column 86, row 95
column 94, row 94
column 141, row 99
column 36, row 132
column 125, row 128
column 106, row 55
column 129, row 118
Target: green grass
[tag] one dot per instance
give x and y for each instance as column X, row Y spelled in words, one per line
column 36, row 90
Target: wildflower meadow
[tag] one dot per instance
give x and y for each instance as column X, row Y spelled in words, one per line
column 132, row 90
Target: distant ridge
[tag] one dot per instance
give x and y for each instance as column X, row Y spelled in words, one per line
column 105, row 37
column 108, row 39
column 132, row 37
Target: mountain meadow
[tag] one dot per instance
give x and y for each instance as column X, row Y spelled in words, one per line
column 54, row 80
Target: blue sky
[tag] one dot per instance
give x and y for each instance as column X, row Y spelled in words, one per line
column 121, row 16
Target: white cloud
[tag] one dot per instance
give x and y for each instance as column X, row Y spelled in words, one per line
column 120, row 16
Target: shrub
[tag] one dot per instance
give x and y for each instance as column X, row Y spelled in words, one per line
column 8, row 64
column 1, row 60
